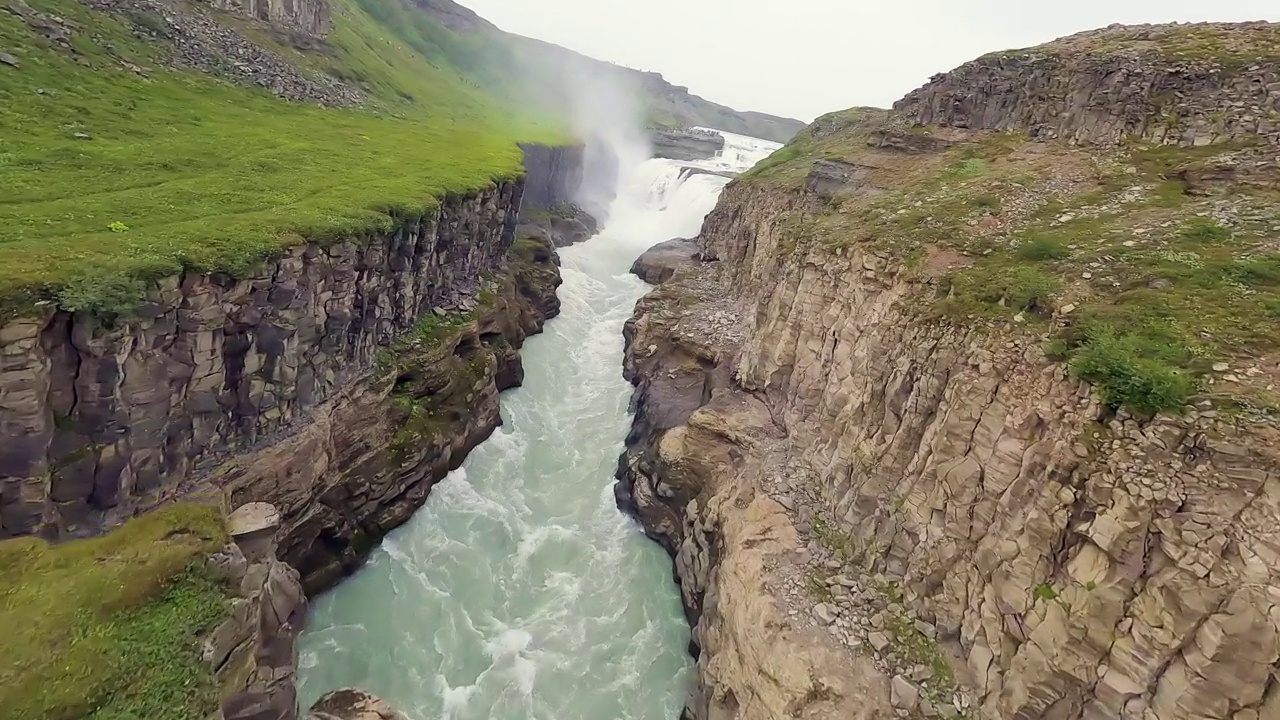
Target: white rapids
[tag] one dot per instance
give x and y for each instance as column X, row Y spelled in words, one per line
column 519, row 591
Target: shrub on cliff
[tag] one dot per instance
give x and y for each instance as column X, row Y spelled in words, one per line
column 1126, row 373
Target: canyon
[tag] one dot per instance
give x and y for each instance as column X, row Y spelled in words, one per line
column 964, row 408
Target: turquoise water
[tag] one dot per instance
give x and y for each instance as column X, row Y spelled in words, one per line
column 519, row 591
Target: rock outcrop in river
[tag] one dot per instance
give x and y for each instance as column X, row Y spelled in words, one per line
column 969, row 407
column 685, row 143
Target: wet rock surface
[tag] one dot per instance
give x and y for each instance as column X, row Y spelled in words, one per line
column 253, row 652
column 691, row 171
column 553, row 175
column 351, row 704
column 559, row 226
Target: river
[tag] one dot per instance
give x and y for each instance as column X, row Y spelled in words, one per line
column 519, row 591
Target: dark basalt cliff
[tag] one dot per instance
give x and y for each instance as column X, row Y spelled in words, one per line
column 338, row 383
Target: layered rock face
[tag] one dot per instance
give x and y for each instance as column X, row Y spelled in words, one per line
column 289, row 386
column 875, row 514
column 554, row 175
column 1066, row 90
column 310, row 17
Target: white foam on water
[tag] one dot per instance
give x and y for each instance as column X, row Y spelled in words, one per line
column 519, row 590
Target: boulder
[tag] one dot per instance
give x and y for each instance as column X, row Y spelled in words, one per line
column 352, row 704
column 657, row 264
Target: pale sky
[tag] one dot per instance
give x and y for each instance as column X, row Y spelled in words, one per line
column 801, row 58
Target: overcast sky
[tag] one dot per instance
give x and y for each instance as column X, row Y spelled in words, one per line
column 801, row 58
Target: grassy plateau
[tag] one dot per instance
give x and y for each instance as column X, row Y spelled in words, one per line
column 117, row 168
column 110, row 177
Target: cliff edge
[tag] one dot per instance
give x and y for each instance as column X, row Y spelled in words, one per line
column 968, row 408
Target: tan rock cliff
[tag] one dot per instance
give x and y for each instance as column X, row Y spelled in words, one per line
column 877, row 509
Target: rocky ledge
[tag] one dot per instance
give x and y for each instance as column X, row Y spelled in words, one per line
column 253, row 651
column 559, row 226
column 657, row 264
column 685, row 143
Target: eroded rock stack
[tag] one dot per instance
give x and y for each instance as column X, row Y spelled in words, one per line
column 253, row 651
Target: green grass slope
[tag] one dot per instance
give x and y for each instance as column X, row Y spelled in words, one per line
column 182, row 170
column 106, row 629
column 540, row 67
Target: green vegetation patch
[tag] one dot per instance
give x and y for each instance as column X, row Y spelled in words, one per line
column 113, row 178
column 107, row 628
column 829, row 137
column 1145, row 266
column 1045, row 591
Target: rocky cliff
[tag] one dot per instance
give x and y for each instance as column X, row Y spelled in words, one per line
column 338, row 383
column 969, row 408
column 309, row 17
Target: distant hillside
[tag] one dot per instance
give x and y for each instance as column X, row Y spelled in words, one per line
column 543, row 63
column 140, row 138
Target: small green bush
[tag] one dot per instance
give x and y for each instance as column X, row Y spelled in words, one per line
column 1127, row 376
column 966, row 169
column 1258, row 272
column 986, row 202
column 1042, row 249
column 109, row 296
column 1019, row 287
column 1205, row 231
column 1170, row 193
column 1045, row 591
